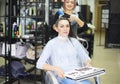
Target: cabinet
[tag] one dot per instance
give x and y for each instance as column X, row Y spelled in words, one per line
column 22, row 20
column 112, row 39
column 85, row 11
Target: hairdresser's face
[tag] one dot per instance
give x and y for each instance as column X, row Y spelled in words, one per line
column 63, row 28
column 69, row 4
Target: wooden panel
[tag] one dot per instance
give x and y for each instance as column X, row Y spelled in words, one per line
column 102, row 1
column 98, row 17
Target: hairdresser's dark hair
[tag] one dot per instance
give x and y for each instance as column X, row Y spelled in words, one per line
column 64, row 18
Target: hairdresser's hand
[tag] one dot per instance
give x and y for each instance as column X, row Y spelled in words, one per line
column 59, row 72
column 77, row 19
column 73, row 17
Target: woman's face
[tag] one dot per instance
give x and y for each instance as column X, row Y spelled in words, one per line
column 63, row 28
column 69, row 4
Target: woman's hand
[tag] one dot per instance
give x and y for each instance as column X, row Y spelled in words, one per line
column 59, row 72
column 89, row 63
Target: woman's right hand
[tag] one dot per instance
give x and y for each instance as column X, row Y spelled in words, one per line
column 56, row 69
column 59, row 72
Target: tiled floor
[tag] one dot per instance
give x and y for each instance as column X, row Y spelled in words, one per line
column 108, row 58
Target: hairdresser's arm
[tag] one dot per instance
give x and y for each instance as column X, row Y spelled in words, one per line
column 77, row 19
column 80, row 22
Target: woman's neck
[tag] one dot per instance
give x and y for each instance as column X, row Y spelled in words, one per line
column 63, row 38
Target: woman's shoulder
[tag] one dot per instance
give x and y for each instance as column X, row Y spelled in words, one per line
column 52, row 41
column 73, row 39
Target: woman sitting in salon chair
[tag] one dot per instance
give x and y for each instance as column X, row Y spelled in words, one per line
column 63, row 53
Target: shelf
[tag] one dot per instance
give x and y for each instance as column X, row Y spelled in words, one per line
column 16, row 15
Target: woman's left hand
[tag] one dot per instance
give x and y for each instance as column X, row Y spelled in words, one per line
column 89, row 63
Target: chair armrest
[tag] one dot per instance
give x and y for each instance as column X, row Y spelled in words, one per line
column 50, row 78
column 97, row 80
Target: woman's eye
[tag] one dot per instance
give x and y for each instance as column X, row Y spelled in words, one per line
column 62, row 26
column 67, row 26
column 72, row 2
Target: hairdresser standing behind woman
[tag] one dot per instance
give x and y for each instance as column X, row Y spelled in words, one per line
column 68, row 11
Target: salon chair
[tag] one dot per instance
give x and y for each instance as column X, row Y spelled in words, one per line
column 50, row 78
column 84, row 42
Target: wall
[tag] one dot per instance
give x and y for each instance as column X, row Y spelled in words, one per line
column 91, row 3
column 2, row 8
